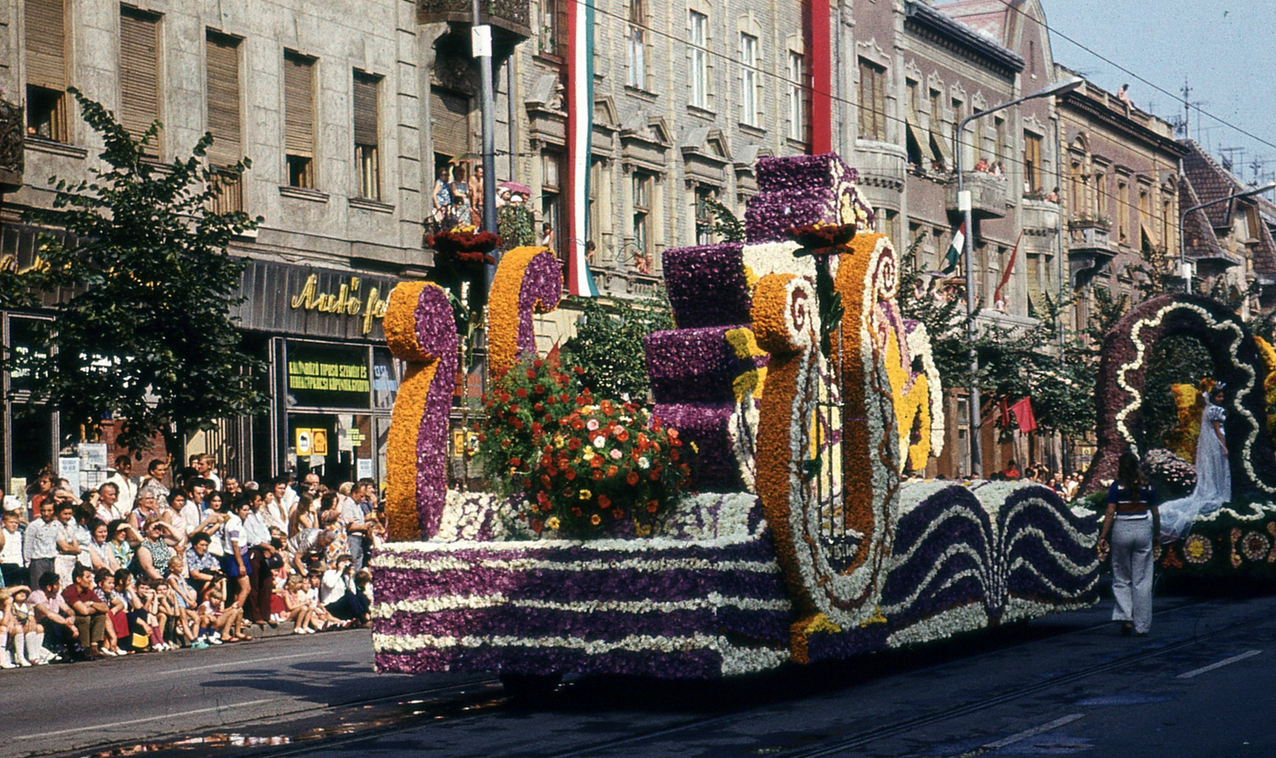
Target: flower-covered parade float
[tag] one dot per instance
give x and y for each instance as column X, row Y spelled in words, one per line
column 757, row 514
column 1238, row 540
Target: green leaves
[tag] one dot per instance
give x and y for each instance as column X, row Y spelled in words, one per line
column 143, row 284
column 608, row 345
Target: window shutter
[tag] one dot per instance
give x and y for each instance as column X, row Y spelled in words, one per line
column 139, row 71
column 46, row 43
column 449, row 115
column 223, row 99
column 298, row 106
column 365, row 109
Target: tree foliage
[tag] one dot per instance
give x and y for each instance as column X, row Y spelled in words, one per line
column 143, row 291
column 1014, row 361
column 608, row 345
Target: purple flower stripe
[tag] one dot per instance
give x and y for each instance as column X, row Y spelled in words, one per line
column 714, row 467
column 706, row 285
column 567, row 586
column 797, row 191
column 541, row 289
column 606, row 626
column 693, row 365
column 436, row 333
column 696, row 664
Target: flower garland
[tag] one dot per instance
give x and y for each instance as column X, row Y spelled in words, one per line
column 529, row 280
column 1237, row 363
column 420, row 332
column 464, row 244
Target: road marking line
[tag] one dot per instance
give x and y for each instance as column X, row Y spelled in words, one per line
column 1220, row 664
column 149, row 718
column 1025, row 734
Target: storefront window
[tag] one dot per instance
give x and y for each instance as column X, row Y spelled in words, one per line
column 385, row 379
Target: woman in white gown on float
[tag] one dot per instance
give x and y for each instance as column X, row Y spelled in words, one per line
column 1213, row 474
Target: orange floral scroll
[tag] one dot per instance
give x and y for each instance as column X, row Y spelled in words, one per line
column 528, row 280
column 420, row 332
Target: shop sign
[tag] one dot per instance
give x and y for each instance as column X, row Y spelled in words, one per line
column 328, row 376
column 344, row 302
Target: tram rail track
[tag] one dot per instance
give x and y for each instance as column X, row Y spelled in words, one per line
column 477, row 698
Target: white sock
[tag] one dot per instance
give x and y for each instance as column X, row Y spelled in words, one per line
column 6, row 659
column 20, row 650
column 34, row 642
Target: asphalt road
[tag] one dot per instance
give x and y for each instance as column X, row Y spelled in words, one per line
column 59, row 708
column 1203, row 684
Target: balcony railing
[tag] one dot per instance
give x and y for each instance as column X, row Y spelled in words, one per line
column 987, row 194
column 510, row 16
column 12, row 157
column 1089, row 235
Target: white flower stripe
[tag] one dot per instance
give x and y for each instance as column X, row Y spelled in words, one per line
column 653, row 564
column 634, row 643
column 712, row 601
column 945, row 624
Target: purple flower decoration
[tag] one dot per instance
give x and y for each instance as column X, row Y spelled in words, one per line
column 707, row 286
column 436, row 333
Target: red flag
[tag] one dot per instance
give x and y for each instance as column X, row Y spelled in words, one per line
column 1005, row 413
column 1005, row 277
column 1023, row 414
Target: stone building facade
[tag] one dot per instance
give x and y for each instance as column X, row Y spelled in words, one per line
column 327, row 101
column 1120, row 196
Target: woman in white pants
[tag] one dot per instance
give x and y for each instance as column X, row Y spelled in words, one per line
column 1134, row 522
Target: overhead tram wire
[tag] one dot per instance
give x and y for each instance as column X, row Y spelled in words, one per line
column 976, row 148
column 1178, row 98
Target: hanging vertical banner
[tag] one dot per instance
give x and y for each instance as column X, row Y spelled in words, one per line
column 580, row 127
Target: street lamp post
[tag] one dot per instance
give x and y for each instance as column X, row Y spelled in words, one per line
column 1184, row 270
column 964, row 205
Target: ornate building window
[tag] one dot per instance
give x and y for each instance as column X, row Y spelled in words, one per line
column 797, row 97
column 45, row 46
column 748, row 79
column 699, row 57
column 636, row 45
column 872, row 106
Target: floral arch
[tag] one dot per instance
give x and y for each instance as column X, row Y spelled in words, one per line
column 1237, row 363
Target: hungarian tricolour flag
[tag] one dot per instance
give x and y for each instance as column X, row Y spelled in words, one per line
column 580, row 127
column 955, row 249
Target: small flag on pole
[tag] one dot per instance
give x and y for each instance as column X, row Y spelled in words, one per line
column 1023, row 415
column 997, row 300
column 955, row 249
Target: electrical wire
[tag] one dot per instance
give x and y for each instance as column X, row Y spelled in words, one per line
column 975, row 148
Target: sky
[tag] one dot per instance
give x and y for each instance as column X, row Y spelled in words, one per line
column 1225, row 50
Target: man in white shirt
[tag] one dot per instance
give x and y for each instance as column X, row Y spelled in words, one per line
column 257, row 538
column 352, row 519
column 125, row 487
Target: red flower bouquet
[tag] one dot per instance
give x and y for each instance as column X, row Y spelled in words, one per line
column 464, row 245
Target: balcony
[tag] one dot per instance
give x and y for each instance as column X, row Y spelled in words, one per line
column 1089, row 246
column 1041, row 218
column 987, row 194
column 510, row 19
column 12, row 124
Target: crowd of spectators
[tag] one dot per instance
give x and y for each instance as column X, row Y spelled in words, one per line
column 138, row 566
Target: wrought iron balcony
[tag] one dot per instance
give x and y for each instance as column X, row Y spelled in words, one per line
column 12, row 125
column 510, row 18
column 987, row 194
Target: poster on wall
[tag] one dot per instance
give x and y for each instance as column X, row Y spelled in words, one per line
column 69, row 469
column 363, row 468
column 328, row 376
